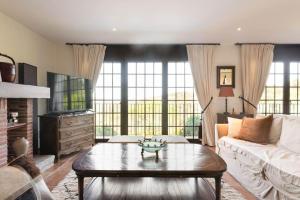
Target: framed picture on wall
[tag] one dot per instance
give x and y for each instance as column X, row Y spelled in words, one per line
column 225, row 76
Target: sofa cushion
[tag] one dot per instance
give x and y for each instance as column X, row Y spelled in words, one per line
column 255, row 130
column 290, row 136
column 234, row 126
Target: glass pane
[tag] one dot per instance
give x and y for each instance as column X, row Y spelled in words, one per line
column 171, row 93
column 140, row 81
column 180, row 80
column 293, row 94
column 157, row 93
column 131, row 93
column 108, row 68
column 270, row 93
column 117, row 68
column 149, row 68
column 279, row 93
column 157, row 68
column 180, row 68
column 149, row 93
column 172, row 120
column 172, row 107
column 140, row 68
column 279, row 80
column 293, row 80
column 117, row 80
column 293, row 107
column 278, row 107
column 293, row 67
column 180, row 94
column 131, row 68
column 279, row 67
column 140, row 94
column 108, row 80
column 180, row 106
column 171, row 68
column 189, row 93
column 117, row 93
column 108, row 93
column 149, row 80
column 131, row 80
column 157, row 81
column 171, row 81
column 189, row 107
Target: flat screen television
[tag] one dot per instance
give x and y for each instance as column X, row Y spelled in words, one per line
column 68, row 93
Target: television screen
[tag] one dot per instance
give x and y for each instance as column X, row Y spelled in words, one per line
column 68, row 93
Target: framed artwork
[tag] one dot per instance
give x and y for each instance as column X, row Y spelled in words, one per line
column 226, row 76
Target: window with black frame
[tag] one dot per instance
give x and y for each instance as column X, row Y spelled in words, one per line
column 183, row 107
column 144, row 98
column 272, row 100
column 294, row 92
column 107, row 101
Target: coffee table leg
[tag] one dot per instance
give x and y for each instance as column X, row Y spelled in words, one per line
column 218, row 187
column 80, row 186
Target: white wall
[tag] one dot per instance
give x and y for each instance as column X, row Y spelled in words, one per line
column 26, row 46
column 228, row 54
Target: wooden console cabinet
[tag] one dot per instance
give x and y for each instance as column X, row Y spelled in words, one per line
column 66, row 133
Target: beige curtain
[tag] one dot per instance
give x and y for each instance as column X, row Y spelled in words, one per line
column 256, row 61
column 88, row 61
column 201, row 59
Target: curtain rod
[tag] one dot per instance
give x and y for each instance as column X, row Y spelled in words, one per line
column 69, row 43
column 247, row 43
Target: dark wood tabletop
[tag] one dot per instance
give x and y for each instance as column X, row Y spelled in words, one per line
column 125, row 160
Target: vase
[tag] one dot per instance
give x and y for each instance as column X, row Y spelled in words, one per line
column 20, row 146
column 8, row 70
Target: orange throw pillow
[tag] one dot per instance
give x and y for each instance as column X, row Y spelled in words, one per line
column 256, row 130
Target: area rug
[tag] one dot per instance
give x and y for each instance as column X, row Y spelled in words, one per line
column 67, row 189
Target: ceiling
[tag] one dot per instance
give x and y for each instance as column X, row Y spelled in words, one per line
column 159, row 21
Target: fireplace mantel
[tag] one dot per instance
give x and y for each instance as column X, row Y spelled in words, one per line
column 17, row 98
column 12, row 90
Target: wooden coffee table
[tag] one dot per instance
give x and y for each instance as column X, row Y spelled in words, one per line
column 176, row 163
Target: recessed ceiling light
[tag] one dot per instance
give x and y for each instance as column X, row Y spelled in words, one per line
column 114, row 29
column 239, row 29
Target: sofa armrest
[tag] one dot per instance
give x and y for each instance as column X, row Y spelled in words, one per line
column 220, row 131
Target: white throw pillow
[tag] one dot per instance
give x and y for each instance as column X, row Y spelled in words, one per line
column 290, row 136
column 234, row 126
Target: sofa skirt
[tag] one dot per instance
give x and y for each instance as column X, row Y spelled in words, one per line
column 256, row 175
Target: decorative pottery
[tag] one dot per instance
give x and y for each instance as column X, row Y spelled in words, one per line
column 8, row 70
column 152, row 146
column 20, row 146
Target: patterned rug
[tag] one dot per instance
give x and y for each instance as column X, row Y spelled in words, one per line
column 67, row 189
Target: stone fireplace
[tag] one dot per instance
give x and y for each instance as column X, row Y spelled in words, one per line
column 17, row 98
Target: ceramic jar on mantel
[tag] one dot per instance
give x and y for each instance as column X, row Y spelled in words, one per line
column 20, row 146
column 8, row 70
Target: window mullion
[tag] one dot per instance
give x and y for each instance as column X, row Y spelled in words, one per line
column 124, row 98
column 286, row 88
column 164, row 98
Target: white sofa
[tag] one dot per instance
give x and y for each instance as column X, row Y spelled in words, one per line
column 269, row 171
